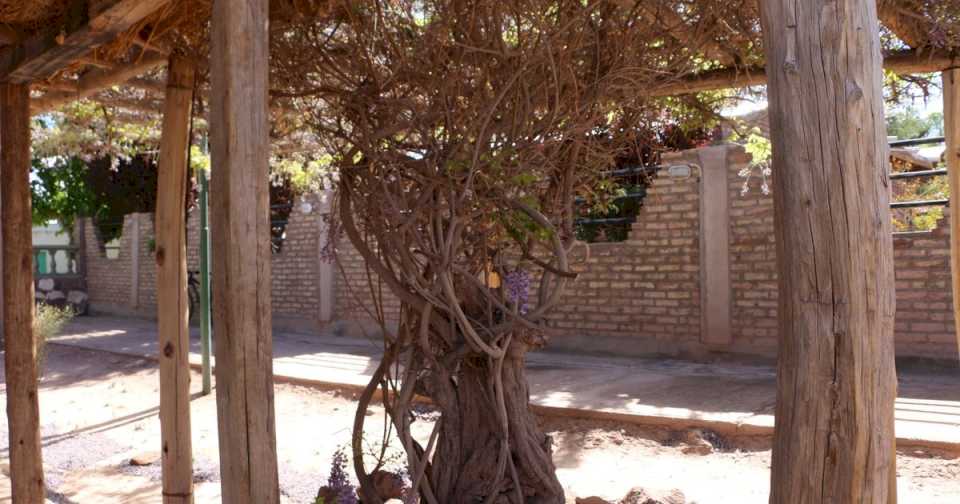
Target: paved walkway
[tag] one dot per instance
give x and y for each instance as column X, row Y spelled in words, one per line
column 729, row 398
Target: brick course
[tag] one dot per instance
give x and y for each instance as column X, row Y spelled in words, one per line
column 641, row 296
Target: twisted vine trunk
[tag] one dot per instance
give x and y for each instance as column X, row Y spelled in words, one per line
column 466, row 466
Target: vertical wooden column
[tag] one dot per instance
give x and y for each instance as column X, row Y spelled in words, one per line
column 836, row 381
column 172, row 312
column 951, row 130
column 20, row 358
column 241, row 252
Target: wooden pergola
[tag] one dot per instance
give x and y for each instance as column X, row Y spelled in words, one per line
column 832, row 194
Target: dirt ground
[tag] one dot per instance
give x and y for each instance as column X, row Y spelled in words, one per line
column 99, row 411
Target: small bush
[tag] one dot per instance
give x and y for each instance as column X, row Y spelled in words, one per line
column 47, row 323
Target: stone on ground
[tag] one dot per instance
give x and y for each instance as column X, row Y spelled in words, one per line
column 591, row 500
column 647, row 496
column 145, row 458
column 696, row 443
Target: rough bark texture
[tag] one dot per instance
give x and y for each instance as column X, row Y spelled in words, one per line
column 172, row 312
column 834, row 438
column 20, row 358
column 466, row 463
column 241, row 252
column 951, row 123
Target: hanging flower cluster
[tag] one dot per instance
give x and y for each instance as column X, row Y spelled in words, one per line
column 518, row 289
column 339, row 482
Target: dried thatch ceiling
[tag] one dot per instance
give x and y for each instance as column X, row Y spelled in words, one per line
column 725, row 32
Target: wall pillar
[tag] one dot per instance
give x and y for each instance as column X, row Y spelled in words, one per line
column 715, row 289
column 134, row 250
column 325, row 266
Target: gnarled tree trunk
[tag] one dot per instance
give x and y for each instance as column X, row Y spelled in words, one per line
column 467, row 466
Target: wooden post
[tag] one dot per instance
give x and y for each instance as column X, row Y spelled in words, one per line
column 241, row 252
column 951, row 131
column 20, row 358
column 836, row 382
column 172, row 305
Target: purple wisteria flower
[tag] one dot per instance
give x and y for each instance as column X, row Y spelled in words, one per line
column 517, row 283
column 339, row 480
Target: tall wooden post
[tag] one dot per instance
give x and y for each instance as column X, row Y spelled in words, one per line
column 836, row 381
column 951, row 130
column 20, row 358
column 172, row 305
column 241, row 252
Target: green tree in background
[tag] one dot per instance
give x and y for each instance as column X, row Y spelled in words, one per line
column 908, row 123
column 60, row 191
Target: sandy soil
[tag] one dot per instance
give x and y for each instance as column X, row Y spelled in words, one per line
column 100, row 410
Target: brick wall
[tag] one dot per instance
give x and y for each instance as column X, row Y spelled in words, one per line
column 296, row 284
column 109, row 280
column 753, row 259
column 356, row 288
column 642, row 295
column 295, row 271
column 924, row 321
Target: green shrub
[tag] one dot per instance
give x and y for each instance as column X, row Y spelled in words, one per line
column 47, row 323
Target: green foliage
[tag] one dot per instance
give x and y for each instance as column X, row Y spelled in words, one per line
column 60, row 191
column 304, row 174
column 907, row 123
column 612, row 205
column 758, row 146
column 47, row 323
column 89, row 130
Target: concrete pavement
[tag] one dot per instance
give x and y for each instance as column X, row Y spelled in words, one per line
column 730, row 398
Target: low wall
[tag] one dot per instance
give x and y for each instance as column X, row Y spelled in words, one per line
column 663, row 291
column 697, row 275
column 302, row 286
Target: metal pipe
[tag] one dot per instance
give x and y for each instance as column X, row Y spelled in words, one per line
column 917, row 174
column 917, row 141
column 612, row 220
column 205, row 329
column 921, row 203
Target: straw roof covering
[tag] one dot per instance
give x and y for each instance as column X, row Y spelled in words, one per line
column 692, row 36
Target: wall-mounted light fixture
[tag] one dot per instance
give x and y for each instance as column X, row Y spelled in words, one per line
column 681, row 171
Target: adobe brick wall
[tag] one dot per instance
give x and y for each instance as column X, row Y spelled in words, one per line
column 924, row 324
column 642, row 295
column 295, row 269
column 356, row 288
column 753, row 260
column 109, row 280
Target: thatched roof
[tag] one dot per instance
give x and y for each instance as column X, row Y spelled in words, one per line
column 92, row 44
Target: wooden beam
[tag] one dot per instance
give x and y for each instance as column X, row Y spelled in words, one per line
column 951, row 130
column 172, row 305
column 239, row 127
column 836, row 378
column 20, row 357
column 901, row 62
column 95, row 81
column 48, row 52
